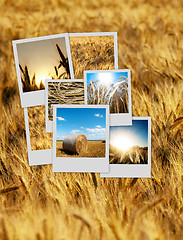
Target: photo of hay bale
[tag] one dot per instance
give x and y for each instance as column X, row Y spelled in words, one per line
column 108, row 87
column 75, row 144
column 129, row 144
column 38, row 137
column 91, row 53
column 81, row 132
column 64, row 93
column 40, row 60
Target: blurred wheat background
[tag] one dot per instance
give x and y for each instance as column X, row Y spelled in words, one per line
column 37, row 204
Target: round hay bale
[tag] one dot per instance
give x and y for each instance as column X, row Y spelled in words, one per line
column 75, row 143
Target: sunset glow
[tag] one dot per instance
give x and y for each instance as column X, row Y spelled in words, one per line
column 42, row 78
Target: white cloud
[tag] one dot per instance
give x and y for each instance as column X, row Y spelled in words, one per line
column 99, row 115
column 96, row 130
column 82, row 127
column 98, row 126
column 61, row 119
column 97, row 136
column 96, row 133
column 75, row 131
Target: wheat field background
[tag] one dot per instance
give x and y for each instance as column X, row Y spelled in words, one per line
column 37, row 204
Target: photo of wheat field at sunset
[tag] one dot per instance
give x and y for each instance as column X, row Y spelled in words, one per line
column 40, row 60
column 36, row 203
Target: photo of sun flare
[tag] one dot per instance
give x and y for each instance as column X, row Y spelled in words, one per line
column 122, row 142
column 129, row 144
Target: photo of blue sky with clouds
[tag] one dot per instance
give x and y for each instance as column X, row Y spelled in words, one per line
column 88, row 121
column 106, row 78
column 136, row 135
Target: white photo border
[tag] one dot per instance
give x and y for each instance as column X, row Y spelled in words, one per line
column 132, row 170
column 92, row 34
column 71, row 164
column 116, row 119
column 36, row 157
column 36, row 98
column 49, row 124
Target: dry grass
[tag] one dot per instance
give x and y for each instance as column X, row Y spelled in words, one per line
column 95, row 149
column 116, row 95
column 91, row 53
column 37, row 204
column 64, row 93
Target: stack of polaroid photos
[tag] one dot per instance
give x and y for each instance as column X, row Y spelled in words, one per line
column 77, row 106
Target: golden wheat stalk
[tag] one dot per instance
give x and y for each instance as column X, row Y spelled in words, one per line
column 116, row 95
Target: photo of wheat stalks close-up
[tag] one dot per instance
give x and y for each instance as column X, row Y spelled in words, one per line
column 108, row 88
column 64, row 93
column 129, row 144
column 40, row 60
column 91, row 53
column 36, row 203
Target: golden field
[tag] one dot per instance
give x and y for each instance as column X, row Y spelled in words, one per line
column 95, row 149
column 38, row 204
column 91, row 53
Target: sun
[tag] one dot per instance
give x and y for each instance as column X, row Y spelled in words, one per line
column 42, row 77
column 105, row 79
column 122, row 142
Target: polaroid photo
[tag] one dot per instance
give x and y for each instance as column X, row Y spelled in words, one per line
column 111, row 87
column 61, row 92
column 80, row 138
column 93, row 51
column 37, row 59
column 39, row 143
column 130, row 149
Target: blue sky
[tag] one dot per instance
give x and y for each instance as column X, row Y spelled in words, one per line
column 111, row 77
column 88, row 121
column 138, row 133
